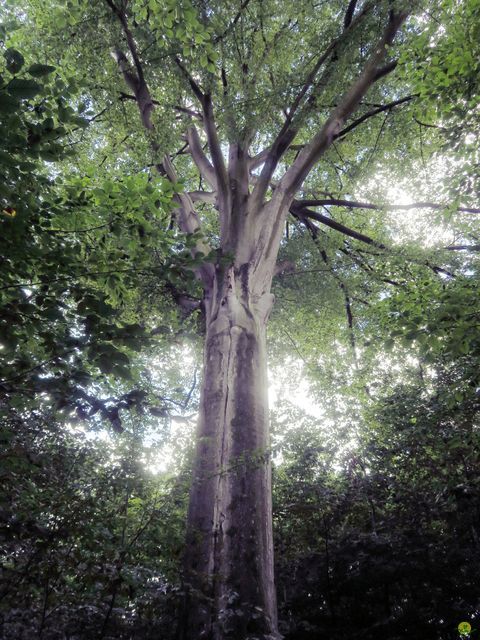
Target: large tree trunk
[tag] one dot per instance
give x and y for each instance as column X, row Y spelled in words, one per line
column 229, row 555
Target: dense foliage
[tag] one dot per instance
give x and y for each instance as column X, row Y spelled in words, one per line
column 376, row 484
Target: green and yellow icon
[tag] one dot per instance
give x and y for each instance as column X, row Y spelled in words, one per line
column 464, row 628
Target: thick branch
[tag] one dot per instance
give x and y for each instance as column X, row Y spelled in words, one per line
column 385, row 70
column 138, row 86
column 349, row 13
column 189, row 112
column 221, row 182
column 289, row 129
column 287, row 133
column 215, row 149
column 260, row 158
column 187, row 217
column 203, row 196
column 308, row 157
column 130, row 41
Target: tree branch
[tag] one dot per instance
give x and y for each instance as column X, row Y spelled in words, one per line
column 189, row 112
column 187, row 217
column 203, row 163
column 138, row 86
column 194, row 86
column 232, row 25
column 215, row 149
column 373, row 112
column 130, row 41
column 177, row 107
column 221, row 182
column 349, row 13
column 338, row 202
column 348, row 305
column 203, row 196
column 289, row 129
column 259, row 159
column 385, row 70
column 308, row 157
column 302, row 212
column 286, row 135
column 463, row 247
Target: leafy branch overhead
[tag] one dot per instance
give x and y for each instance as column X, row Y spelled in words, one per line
column 179, row 181
column 250, row 147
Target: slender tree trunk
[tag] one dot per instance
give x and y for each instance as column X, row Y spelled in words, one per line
column 229, row 555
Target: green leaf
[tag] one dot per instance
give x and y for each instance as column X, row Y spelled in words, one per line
column 105, row 364
column 7, row 103
column 389, row 344
column 21, row 88
column 14, row 60
column 40, row 70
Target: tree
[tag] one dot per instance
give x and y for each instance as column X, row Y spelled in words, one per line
column 260, row 99
column 229, row 555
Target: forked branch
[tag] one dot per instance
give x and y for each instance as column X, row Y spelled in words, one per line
column 312, row 152
column 210, row 128
column 187, row 217
column 302, row 212
column 298, row 108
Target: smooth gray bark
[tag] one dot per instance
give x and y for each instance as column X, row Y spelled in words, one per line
column 229, row 555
